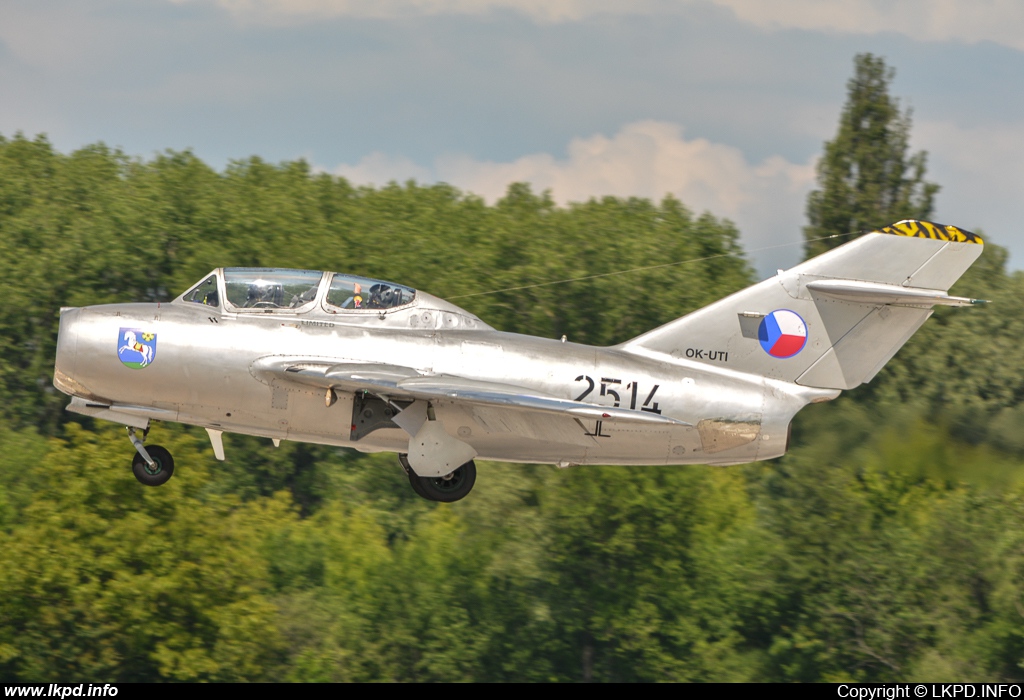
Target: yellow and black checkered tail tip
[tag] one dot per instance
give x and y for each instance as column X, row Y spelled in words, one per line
column 926, row 229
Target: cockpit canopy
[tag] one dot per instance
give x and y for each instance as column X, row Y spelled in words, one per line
column 277, row 289
column 350, row 292
column 258, row 288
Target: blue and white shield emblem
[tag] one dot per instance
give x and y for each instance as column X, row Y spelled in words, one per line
column 136, row 348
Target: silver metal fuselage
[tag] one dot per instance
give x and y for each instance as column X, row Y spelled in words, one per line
column 203, row 375
column 344, row 360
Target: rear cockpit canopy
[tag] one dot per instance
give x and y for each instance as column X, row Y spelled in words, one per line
column 350, row 292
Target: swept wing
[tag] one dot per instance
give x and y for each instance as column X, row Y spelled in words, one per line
column 396, row 382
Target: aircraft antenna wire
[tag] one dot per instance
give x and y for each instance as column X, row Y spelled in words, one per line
column 649, row 267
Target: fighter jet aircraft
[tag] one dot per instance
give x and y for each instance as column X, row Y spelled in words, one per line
column 343, row 360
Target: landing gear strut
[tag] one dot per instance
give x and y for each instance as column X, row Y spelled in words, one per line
column 447, row 489
column 151, row 465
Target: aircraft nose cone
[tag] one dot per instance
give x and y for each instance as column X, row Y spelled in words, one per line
column 67, row 350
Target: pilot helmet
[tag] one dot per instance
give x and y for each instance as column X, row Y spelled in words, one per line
column 380, row 295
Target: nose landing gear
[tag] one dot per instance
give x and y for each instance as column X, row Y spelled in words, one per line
column 446, row 489
column 151, row 465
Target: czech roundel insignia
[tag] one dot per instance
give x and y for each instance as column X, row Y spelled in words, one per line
column 136, row 348
column 782, row 333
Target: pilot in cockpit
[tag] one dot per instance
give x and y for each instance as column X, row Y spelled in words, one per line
column 205, row 293
column 381, row 296
column 264, row 295
column 211, row 298
column 356, row 300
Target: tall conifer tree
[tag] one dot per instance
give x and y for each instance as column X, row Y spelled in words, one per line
column 866, row 178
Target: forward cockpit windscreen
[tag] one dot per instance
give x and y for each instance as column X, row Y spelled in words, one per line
column 351, row 292
column 269, row 289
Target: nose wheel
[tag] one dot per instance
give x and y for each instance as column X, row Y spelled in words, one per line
column 446, row 489
column 151, row 465
column 153, row 474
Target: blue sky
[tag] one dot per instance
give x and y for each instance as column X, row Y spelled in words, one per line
column 723, row 103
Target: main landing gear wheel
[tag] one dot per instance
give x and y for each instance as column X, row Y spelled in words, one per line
column 161, row 470
column 446, row 489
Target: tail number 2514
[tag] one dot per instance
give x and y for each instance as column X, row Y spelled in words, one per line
column 610, row 387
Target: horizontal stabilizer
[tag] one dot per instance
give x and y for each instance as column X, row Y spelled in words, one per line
column 874, row 293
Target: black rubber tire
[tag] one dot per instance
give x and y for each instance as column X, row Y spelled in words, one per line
column 414, row 481
column 454, row 488
column 164, row 463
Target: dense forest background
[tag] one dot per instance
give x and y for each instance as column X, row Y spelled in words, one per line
column 888, row 544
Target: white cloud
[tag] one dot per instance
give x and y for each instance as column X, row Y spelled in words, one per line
column 645, row 159
column 46, row 42
column 380, row 169
column 999, row 21
column 300, row 10
column 980, row 168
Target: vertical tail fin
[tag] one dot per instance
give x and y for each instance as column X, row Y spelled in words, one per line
column 833, row 321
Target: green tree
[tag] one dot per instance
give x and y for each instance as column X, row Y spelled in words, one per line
column 655, row 574
column 102, row 579
column 885, row 546
column 901, row 551
column 866, row 177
